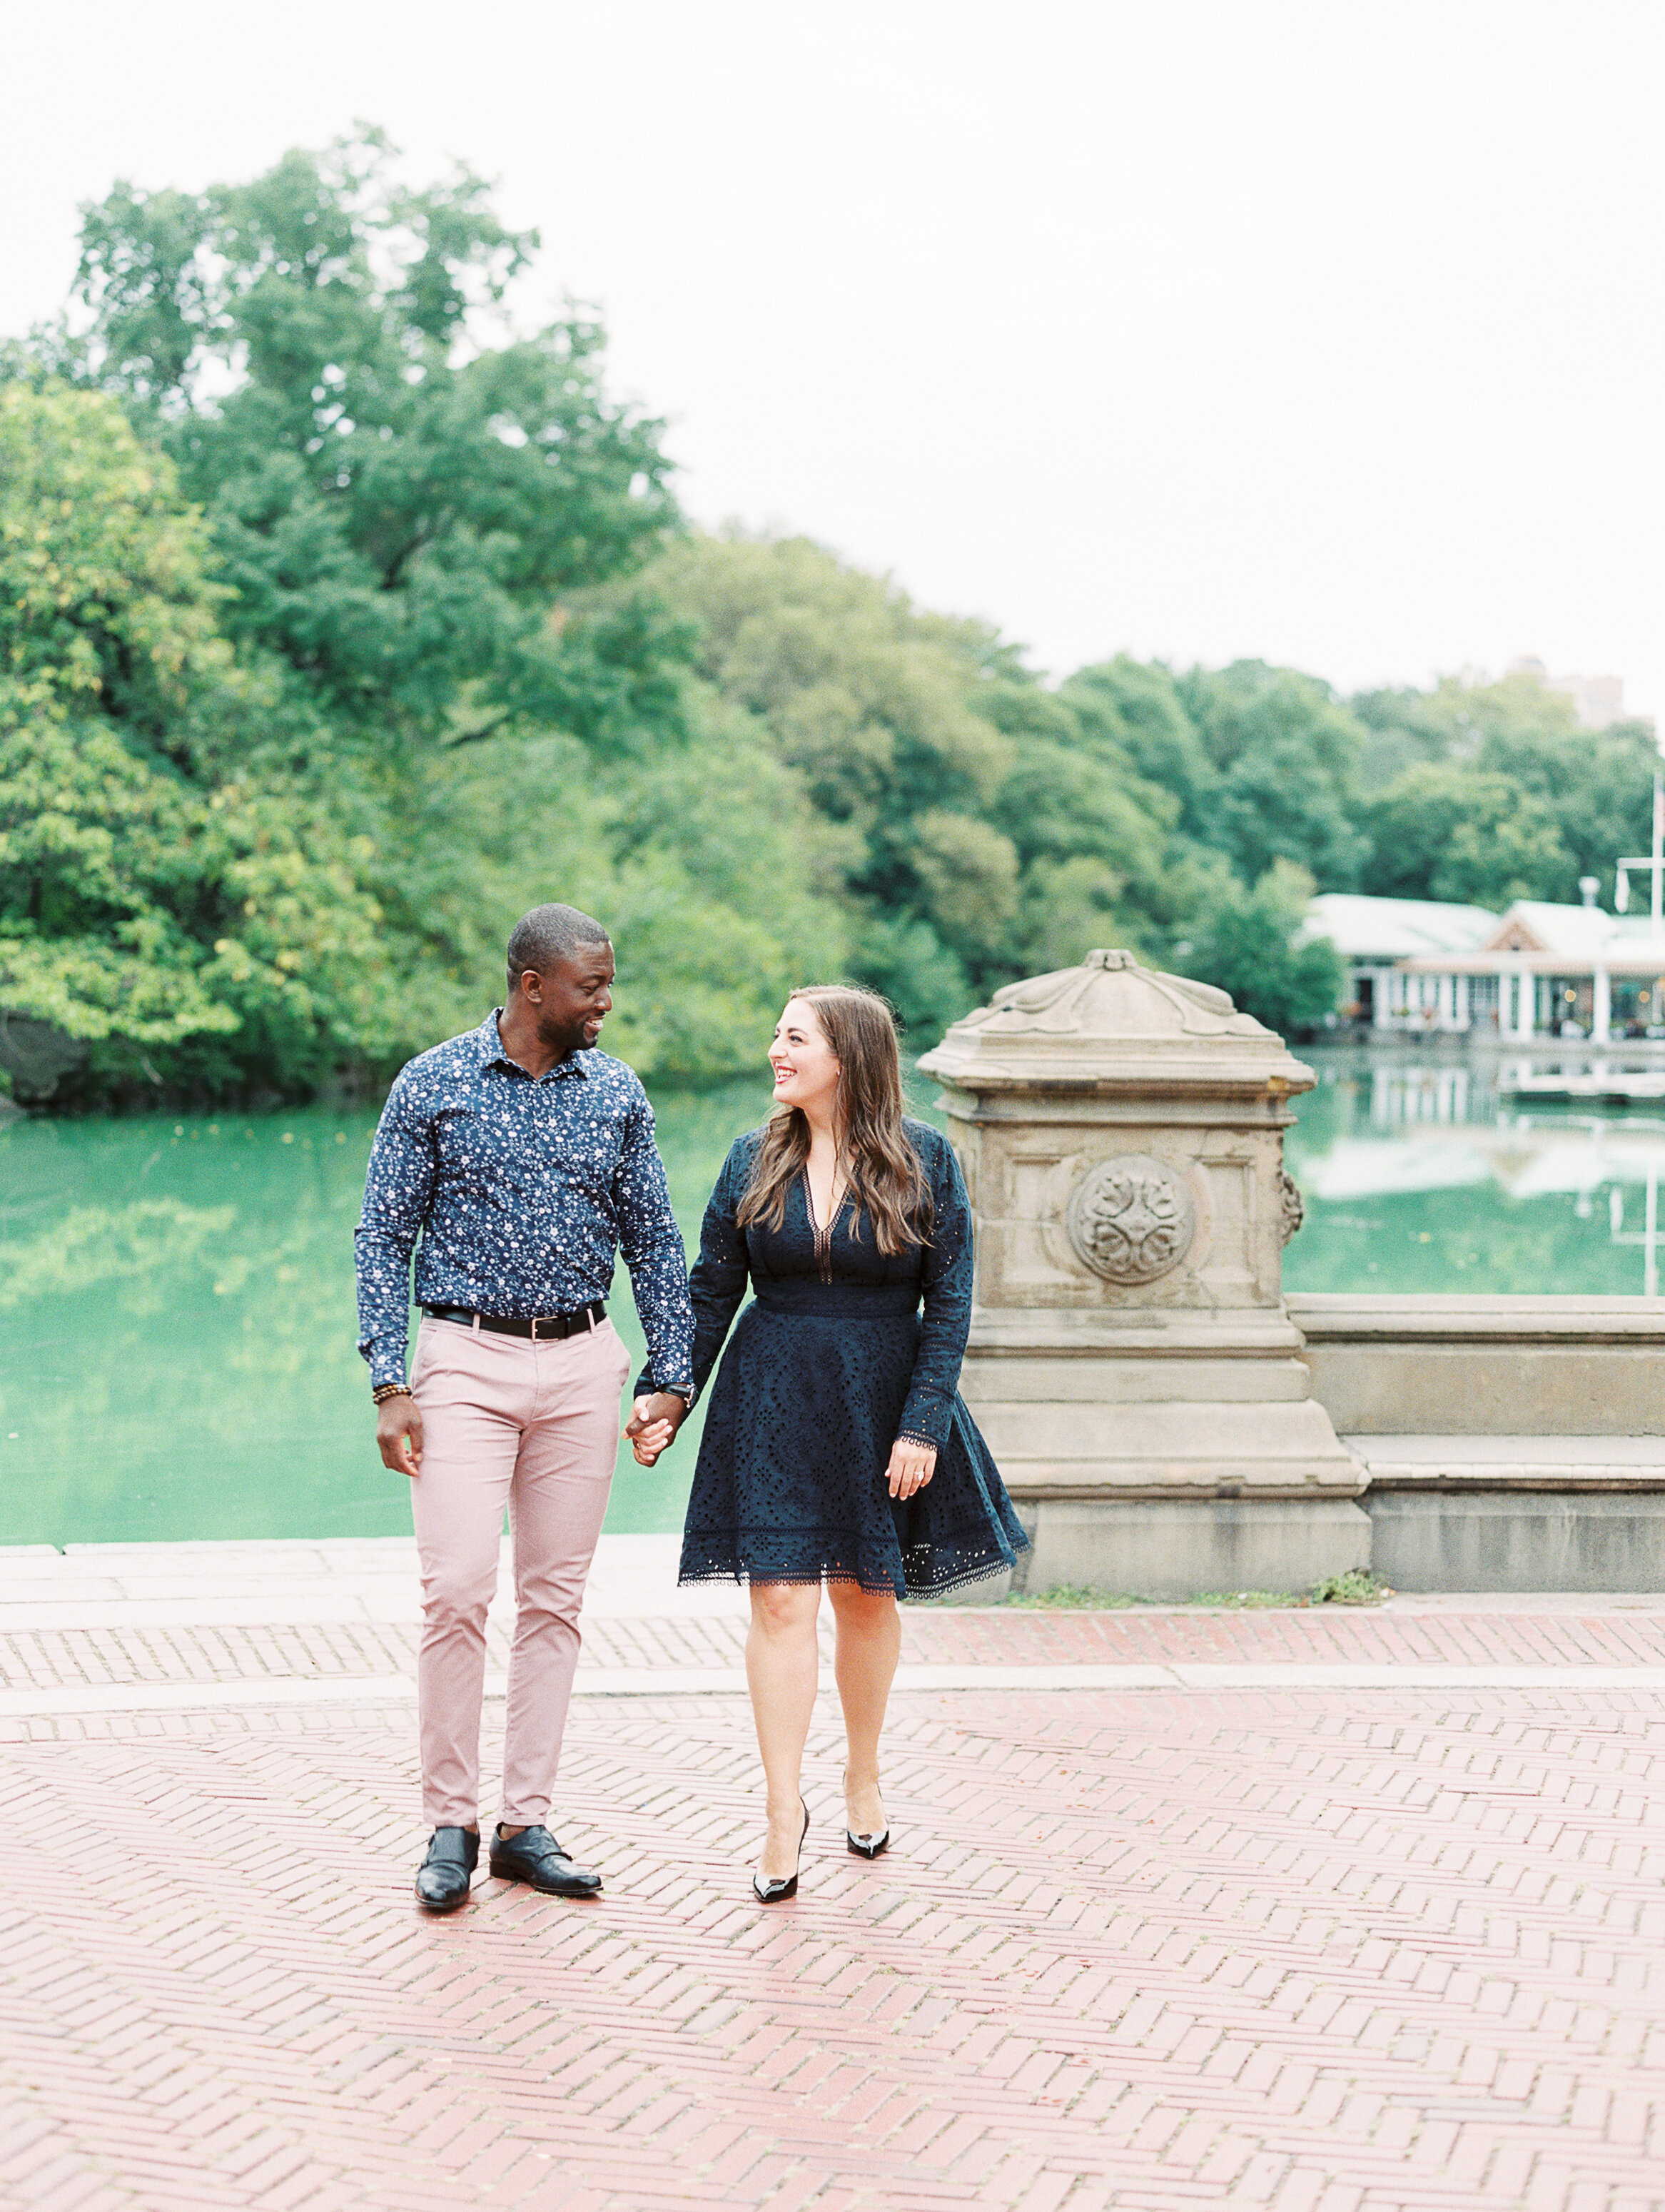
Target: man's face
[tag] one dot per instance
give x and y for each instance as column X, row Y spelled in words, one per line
column 573, row 998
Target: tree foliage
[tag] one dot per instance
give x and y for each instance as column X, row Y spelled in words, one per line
column 341, row 620
column 399, row 505
column 1250, row 943
column 694, row 861
column 954, row 786
column 1283, row 753
column 141, row 907
column 1509, row 799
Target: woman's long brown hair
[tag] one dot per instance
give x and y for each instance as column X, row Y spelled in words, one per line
column 881, row 1166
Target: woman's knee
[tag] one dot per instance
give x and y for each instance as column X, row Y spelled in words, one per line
column 779, row 1608
column 860, row 1608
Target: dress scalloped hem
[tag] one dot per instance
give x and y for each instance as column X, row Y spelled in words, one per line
column 925, row 1572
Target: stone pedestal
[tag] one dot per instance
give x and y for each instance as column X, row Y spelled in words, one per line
column 1131, row 1362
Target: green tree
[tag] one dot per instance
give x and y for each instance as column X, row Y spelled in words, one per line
column 400, row 508
column 1446, row 830
column 1129, row 715
column 1252, row 943
column 1520, row 706
column 168, row 922
column 974, row 822
column 1595, row 785
column 876, row 708
column 1407, row 728
column 1403, row 729
column 702, row 862
column 1592, row 788
column 1285, row 754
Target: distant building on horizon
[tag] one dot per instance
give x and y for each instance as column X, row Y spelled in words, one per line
column 1376, row 936
column 1426, row 967
column 1596, row 700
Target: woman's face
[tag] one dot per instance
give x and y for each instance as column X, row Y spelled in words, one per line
column 805, row 1068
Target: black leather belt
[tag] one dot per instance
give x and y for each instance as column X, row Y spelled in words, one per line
column 545, row 1327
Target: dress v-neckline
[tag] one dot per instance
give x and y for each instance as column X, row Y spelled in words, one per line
column 822, row 1238
column 816, row 1228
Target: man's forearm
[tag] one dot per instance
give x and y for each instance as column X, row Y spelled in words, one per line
column 659, row 1282
column 384, row 1306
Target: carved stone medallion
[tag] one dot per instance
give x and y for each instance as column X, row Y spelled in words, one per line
column 1131, row 1219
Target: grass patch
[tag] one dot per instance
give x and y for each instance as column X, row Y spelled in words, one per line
column 1358, row 1586
column 1247, row 1600
column 1070, row 1597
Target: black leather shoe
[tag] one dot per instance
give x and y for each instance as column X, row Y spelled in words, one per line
column 442, row 1877
column 534, row 1856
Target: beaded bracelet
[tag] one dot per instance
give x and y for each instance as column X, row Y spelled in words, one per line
column 384, row 1391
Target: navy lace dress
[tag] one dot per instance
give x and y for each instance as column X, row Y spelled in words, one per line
column 820, row 1379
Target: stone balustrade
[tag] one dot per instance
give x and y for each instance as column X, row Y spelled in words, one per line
column 1168, row 1421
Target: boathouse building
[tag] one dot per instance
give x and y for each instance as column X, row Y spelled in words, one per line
column 1422, row 966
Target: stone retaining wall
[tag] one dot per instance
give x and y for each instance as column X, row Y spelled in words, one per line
column 1485, row 1366
column 1500, row 1444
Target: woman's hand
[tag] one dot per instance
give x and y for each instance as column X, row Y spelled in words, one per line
column 652, row 1423
column 912, row 1466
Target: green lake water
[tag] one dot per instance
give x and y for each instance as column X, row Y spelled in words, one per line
column 176, row 1302
column 1424, row 1175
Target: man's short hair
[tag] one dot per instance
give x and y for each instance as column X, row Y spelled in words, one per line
column 549, row 934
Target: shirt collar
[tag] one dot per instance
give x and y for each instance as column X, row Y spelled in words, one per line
column 489, row 1040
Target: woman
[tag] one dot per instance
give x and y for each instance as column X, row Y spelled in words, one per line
column 836, row 1446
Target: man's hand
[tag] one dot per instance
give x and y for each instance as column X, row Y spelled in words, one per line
column 399, row 1433
column 912, row 1466
column 653, row 1421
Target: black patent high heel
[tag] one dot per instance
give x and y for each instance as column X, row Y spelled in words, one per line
column 870, row 1845
column 777, row 1893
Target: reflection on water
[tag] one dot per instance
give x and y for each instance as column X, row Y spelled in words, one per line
column 176, row 1297
column 176, row 1326
column 1430, row 1176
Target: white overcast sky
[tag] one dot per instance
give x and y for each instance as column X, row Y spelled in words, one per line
column 1331, row 333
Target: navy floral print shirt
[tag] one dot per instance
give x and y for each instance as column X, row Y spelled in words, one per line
column 521, row 1190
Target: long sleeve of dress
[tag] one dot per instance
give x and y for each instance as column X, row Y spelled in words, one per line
column 947, row 1272
column 717, row 1283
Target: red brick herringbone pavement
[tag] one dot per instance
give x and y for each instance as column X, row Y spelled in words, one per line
column 1317, row 1950
column 186, row 1651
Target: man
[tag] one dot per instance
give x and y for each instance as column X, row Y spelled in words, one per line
column 523, row 1158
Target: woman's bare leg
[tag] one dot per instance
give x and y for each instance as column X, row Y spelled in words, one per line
column 780, row 1673
column 865, row 1656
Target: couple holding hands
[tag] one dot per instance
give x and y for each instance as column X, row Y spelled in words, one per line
column 836, row 1448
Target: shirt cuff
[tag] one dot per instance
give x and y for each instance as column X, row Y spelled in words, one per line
column 645, row 1383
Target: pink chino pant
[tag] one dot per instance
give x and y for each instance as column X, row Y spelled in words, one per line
column 534, row 1428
